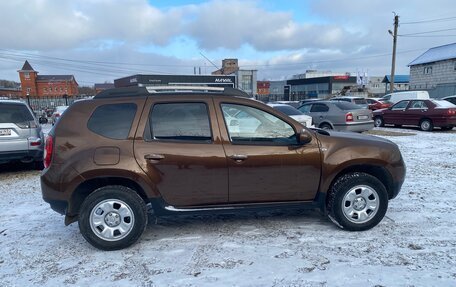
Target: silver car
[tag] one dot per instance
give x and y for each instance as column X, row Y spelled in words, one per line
column 338, row 115
column 21, row 137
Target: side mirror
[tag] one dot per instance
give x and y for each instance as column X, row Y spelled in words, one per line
column 304, row 137
column 234, row 123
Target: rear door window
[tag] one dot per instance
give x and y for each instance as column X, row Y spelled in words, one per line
column 113, row 120
column 179, row 122
column 319, row 108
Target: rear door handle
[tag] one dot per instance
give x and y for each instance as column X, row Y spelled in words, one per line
column 154, row 156
column 238, row 157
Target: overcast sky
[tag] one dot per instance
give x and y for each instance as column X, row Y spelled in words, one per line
column 101, row 40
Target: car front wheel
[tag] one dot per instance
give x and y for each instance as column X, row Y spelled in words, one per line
column 112, row 217
column 357, row 201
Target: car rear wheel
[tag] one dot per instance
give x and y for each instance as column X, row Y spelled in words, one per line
column 378, row 121
column 112, row 217
column 325, row 126
column 357, row 201
column 426, row 125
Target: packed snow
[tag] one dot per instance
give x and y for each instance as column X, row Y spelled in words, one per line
column 414, row 245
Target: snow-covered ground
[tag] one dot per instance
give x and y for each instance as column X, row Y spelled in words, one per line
column 415, row 245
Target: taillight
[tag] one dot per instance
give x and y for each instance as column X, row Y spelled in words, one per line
column 48, row 147
column 349, row 117
column 34, row 141
column 451, row 112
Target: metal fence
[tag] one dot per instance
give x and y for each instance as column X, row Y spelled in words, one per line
column 45, row 103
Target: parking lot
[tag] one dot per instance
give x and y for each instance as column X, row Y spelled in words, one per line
column 413, row 246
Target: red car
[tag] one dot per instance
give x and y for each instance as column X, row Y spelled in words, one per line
column 374, row 104
column 426, row 114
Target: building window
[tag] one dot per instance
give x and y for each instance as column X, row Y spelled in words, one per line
column 45, row 90
column 246, row 82
column 428, row 70
column 27, row 75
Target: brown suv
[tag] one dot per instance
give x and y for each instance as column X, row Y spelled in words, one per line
column 205, row 150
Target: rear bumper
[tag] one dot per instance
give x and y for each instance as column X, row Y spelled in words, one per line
column 51, row 195
column 7, row 156
column 355, row 126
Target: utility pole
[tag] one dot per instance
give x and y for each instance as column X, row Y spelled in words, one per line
column 393, row 64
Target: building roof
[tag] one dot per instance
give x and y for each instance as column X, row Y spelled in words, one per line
column 26, row 67
column 398, row 79
column 435, row 54
column 56, row 78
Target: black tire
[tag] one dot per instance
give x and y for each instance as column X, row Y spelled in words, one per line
column 116, row 205
column 379, row 122
column 426, row 125
column 352, row 197
column 326, row 126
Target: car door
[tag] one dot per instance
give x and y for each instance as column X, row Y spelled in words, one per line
column 268, row 166
column 415, row 112
column 396, row 114
column 182, row 153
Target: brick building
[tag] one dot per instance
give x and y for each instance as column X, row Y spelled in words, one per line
column 435, row 71
column 35, row 85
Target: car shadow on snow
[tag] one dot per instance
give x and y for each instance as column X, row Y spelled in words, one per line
column 278, row 220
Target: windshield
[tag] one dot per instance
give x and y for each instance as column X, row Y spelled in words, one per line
column 288, row 110
column 346, row 106
column 443, row 104
column 14, row 113
column 360, row 101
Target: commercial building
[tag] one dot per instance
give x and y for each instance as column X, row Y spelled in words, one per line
column 319, row 87
column 246, row 80
column 176, row 80
column 435, row 71
column 35, row 85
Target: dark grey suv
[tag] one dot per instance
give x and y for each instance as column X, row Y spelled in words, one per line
column 21, row 138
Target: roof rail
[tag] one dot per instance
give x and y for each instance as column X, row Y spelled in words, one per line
column 156, row 90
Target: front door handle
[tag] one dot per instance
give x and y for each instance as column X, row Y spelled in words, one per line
column 238, row 157
column 154, row 156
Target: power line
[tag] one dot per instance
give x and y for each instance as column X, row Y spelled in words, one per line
column 431, row 20
column 427, row 36
column 428, row 32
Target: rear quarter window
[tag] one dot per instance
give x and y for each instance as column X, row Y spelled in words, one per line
column 113, row 120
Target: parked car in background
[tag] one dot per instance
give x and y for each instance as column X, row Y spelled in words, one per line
column 359, row 101
column 451, row 99
column 376, row 104
column 425, row 114
column 58, row 111
column 294, row 104
column 339, row 115
column 111, row 159
column 21, row 138
column 407, row 95
column 293, row 113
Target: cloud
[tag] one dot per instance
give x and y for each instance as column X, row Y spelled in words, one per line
column 230, row 24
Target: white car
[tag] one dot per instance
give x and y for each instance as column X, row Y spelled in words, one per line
column 58, row 111
column 293, row 113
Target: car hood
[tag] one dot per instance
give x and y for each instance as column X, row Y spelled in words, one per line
column 351, row 137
